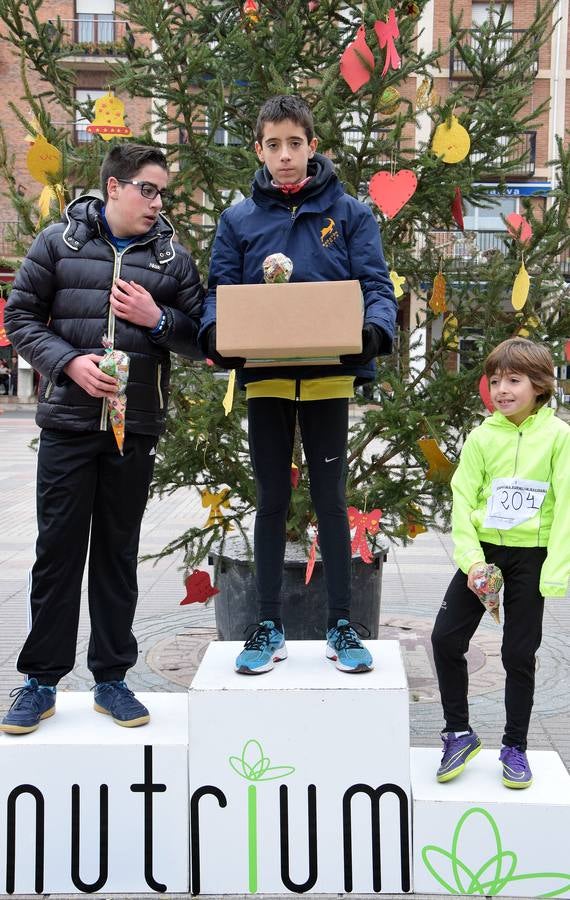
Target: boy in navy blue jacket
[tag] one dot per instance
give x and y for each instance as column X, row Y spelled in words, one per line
column 298, row 207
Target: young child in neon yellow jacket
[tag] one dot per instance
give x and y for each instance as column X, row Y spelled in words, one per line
column 511, row 507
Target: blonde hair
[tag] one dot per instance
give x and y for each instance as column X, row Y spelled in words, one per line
column 520, row 355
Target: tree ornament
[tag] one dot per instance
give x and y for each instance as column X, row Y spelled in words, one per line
column 313, row 5
column 199, row 588
column 387, row 32
column 45, row 164
column 485, row 394
column 440, row 467
column 437, row 300
column 425, row 95
column 457, row 208
column 363, row 522
column 520, row 288
column 390, row 192
column 216, row 502
column 450, row 335
column 530, row 324
column 397, row 281
column 567, row 351
column 357, row 62
column 295, row 476
column 412, row 10
column 312, row 557
column 109, row 121
column 451, row 141
column 413, row 524
column 250, row 10
column 519, row 228
column 389, row 101
column 228, row 400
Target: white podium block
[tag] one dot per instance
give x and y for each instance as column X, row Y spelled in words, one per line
column 473, row 835
column 299, row 778
column 86, row 805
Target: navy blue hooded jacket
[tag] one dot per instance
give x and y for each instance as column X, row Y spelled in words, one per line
column 329, row 236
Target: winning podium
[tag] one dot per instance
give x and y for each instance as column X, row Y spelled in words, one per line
column 86, row 805
column 299, row 780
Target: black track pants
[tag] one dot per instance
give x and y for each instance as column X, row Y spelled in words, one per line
column 86, row 491
column 324, row 430
column 457, row 621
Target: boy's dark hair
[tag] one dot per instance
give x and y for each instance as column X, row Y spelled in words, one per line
column 285, row 106
column 125, row 160
column 524, row 357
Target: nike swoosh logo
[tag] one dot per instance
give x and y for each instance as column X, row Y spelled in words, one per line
column 332, row 459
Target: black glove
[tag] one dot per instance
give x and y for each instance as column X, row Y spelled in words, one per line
column 225, row 362
column 372, row 338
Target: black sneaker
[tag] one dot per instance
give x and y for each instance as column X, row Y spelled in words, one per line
column 115, row 699
column 32, row 703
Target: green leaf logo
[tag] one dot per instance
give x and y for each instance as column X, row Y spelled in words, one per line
column 254, row 766
column 491, row 876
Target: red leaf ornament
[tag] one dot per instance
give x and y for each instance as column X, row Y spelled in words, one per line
column 198, row 588
column 391, row 192
column 357, row 62
column 519, row 227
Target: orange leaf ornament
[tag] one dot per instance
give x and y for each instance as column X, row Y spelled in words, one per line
column 357, row 62
column 437, row 300
column 363, row 522
column 440, row 467
column 312, row 558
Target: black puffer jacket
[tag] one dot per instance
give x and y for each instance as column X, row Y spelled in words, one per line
column 59, row 308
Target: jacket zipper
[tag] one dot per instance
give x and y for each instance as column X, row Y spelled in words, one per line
column 517, row 453
column 159, row 379
column 48, row 390
column 293, row 212
column 297, row 390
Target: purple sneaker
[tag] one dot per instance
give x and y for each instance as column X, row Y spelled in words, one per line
column 516, row 770
column 457, row 751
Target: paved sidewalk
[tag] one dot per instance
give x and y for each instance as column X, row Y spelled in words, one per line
column 172, row 638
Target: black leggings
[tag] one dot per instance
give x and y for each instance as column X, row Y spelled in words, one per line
column 324, row 430
column 457, row 621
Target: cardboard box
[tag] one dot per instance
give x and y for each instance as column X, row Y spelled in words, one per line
column 289, row 324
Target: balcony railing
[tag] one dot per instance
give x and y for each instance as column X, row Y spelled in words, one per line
column 96, row 35
column 523, row 150
column 9, row 236
column 473, row 247
column 458, row 68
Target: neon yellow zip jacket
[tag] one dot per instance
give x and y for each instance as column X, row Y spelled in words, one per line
column 538, row 449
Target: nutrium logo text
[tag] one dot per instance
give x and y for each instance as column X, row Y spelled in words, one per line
column 255, row 767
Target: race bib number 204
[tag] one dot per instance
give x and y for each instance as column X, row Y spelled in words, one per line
column 513, row 501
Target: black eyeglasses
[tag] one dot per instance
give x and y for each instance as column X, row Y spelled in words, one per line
column 149, row 191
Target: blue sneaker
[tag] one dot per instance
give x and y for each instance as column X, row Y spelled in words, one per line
column 516, row 770
column 264, row 646
column 457, row 751
column 33, row 702
column 346, row 649
column 113, row 698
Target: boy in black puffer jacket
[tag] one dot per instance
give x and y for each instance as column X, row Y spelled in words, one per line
column 298, row 207
column 110, row 268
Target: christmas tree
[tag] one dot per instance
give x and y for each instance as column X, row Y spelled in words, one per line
column 207, row 68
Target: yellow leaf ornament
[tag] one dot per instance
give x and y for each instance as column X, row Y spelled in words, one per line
column 397, row 281
column 228, row 400
column 520, row 288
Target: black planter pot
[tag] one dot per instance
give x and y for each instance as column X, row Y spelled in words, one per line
column 305, row 610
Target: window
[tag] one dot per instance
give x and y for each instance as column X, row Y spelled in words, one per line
column 95, row 22
column 483, row 12
column 81, row 123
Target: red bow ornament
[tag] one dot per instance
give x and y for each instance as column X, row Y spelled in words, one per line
column 363, row 522
column 387, row 32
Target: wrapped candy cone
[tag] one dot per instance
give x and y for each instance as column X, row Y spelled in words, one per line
column 277, row 268
column 488, row 582
column 116, row 364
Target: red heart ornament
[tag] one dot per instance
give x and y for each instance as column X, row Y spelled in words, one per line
column 484, row 393
column 519, row 227
column 391, row 192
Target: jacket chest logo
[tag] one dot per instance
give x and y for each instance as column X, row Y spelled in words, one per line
column 329, row 233
column 153, row 265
